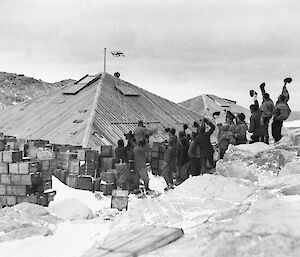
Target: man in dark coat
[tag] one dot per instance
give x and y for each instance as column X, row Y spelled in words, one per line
column 255, row 125
column 281, row 111
column 122, row 165
column 206, row 148
column 266, row 108
column 182, row 157
column 169, row 164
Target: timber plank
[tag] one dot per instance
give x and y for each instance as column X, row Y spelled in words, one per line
column 136, row 242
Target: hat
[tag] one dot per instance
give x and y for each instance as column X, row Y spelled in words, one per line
column 230, row 115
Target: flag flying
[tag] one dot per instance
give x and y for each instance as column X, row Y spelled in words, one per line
column 117, row 54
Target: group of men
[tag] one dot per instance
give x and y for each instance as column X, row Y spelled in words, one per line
column 261, row 115
column 193, row 154
column 184, row 155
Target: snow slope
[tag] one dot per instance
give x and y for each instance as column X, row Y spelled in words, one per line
column 250, row 207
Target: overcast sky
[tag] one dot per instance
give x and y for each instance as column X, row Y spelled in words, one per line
column 176, row 49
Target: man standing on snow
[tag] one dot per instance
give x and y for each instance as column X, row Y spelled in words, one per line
column 266, row 107
column 281, row 111
column 169, row 164
column 206, row 148
column 255, row 125
column 182, row 157
column 140, row 164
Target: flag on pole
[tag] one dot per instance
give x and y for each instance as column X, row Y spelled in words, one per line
column 117, row 54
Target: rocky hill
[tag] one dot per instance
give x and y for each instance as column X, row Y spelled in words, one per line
column 15, row 88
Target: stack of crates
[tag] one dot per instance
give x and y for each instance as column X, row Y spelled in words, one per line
column 83, row 167
column 22, row 181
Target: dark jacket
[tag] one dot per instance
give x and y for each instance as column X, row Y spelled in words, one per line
column 170, row 157
column 281, row 111
column 121, row 153
column 225, row 136
column 182, row 151
column 141, row 133
column 203, row 139
column 139, row 154
column 255, row 125
column 267, row 108
column 241, row 131
column 194, row 149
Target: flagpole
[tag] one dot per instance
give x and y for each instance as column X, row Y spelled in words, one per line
column 104, row 59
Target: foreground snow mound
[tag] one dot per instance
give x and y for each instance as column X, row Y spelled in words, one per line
column 25, row 220
column 258, row 161
column 288, row 185
column 290, row 168
column 236, row 169
column 94, row 202
column 193, row 202
column 265, row 227
column 71, row 209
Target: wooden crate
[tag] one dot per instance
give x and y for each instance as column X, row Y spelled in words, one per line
column 2, row 189
column 2, row 144
column 107, row 188
column 3, row 168
column 20, row 179
column 19, row 190
column 64, row 158
column 46, row 175
column 109, row 176
column 24, row 167
column 119, row 199
column 85, row 182
column 45, row 198
column 87, row 155
column 3, row 201
column 45, row 185
column 97, row 182
column 27, row 199
column 72, row 180
column 45, row 153
column 74, row 166
column 11, row 200
column 13, row 145
column 106, row 151
column 44, row 164
column 107, row 163
column 89, row 168
column 12, row 156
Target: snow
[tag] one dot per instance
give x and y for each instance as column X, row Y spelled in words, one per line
column 250, row 207
column 70, row 240
column 64, row 192
column 292, row 124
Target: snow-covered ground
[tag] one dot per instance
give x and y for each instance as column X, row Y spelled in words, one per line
column 292, row 124
column 250, row 207
column 71, row 238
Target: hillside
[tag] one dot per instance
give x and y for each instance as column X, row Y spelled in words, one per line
column 15, row 88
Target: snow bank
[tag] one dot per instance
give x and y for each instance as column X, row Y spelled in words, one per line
column 25, row 220
column 64, row 192
column 71, row 209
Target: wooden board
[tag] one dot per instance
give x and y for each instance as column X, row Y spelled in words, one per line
column 136, row 242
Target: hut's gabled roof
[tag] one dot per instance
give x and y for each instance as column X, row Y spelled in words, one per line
column 208, row 104
column 93, row 111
